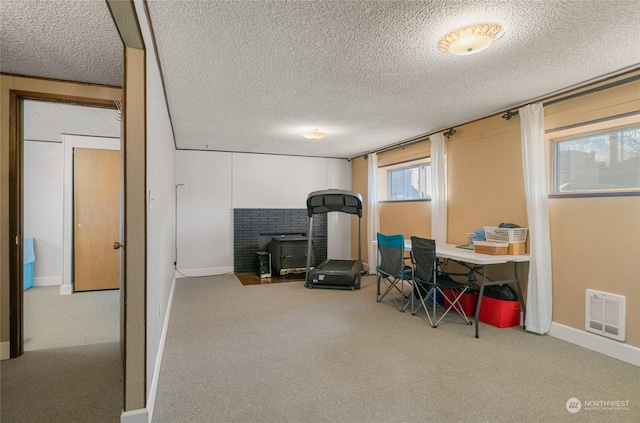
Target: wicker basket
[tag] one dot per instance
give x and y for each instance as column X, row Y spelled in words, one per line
column 512, row 235
column 492, row 248
column 517, row 248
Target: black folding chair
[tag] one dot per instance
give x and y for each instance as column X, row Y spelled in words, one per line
column 429, row 282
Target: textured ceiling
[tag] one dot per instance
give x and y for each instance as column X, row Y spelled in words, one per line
column 73, row 40
column 253, row 75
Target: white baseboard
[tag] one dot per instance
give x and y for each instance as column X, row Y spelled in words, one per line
column 609, row 347
column 151, row 400
column 5, row 350
column 66, row 289
column 47, row 281
column 135, row 416
column 207, row 271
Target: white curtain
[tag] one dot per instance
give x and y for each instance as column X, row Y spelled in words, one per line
column 373, row 212
column 539, row 298
column 438, row 189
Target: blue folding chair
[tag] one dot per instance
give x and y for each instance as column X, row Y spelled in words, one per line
column 392, row 270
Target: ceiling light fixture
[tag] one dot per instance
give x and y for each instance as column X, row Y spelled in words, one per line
column 470, row 39
column 314, row 135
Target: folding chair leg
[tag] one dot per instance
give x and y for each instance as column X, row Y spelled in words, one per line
column 391, row 285
column 455, row 305
column 423, row 304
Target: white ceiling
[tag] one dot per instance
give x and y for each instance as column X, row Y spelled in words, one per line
column 252, row 76
column 48, row 121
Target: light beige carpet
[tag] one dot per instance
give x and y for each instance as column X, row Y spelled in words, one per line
column 284, row 353
column 71, row 370
column 52, row 320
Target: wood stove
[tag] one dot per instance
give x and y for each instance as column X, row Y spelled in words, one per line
column 289, row 254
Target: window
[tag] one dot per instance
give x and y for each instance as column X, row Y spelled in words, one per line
column 405, row 181
column 598, row 162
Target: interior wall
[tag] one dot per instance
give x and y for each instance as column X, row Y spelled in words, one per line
column 484, row 177
column 270, row 181
column 485, row 183
column 161, row 207
column 359, row 183
column 204, row 212
column 212, row 184
column 394, row 218
column 43, row 186
column 72, row 91
column 418, row 150
column 595, row 244
column 594, row 241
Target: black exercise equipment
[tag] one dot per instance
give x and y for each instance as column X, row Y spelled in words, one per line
column 332, row 273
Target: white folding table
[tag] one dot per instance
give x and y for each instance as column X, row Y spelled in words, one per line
column 471, row 260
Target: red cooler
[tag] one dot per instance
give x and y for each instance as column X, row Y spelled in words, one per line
column 499, row 313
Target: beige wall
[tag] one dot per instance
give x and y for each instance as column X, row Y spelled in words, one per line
column 411, row 152
column 359, row 184
column 484, row 173
column 595, row 241
column 406, row 217
column 595, row 244
column 57, row 89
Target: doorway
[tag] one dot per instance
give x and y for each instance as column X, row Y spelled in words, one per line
column 48, row 183
column 50, row 176
column 76, row 336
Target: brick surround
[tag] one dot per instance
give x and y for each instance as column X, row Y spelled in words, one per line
column 252, row 228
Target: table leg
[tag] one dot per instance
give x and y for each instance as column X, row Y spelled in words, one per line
column 484, row 279
column 520, row 297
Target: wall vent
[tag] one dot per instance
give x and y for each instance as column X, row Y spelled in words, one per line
column 605, row 314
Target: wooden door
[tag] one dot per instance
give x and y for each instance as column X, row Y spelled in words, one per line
column 96, row 216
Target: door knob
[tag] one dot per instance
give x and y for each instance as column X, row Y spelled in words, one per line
column 117, row 245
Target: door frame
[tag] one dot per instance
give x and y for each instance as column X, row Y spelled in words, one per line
column 16, row 202
column 134, row 151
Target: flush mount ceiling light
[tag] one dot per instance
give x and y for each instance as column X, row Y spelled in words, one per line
column 314, row 135
column 470, row 39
